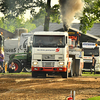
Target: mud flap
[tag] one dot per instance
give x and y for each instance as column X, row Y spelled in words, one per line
column 76, row 67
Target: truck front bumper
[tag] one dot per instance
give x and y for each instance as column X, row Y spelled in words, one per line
column 49, row 69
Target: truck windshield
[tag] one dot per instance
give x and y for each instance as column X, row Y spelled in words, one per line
column 48, row 41
column 89, row 52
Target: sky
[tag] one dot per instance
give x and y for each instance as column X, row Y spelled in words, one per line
column 27, row 15
column 53, row 2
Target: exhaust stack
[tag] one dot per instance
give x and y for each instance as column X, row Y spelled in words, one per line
column 66, row 27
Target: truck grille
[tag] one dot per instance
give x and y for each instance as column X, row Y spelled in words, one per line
column 87, row 65
column 48, row 57
column 47, row 64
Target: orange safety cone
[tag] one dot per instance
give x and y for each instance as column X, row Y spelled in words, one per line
column 6, row 67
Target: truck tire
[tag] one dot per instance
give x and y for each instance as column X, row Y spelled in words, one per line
column 18, row 67
column 34, row 74
column 64, row 74
column 44, row 75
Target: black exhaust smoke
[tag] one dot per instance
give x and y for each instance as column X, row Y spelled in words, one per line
column 65, row 26
column 68, row 10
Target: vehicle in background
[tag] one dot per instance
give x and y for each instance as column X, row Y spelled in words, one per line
column 52, row 53
column 89, row 49
column 22, row 59
column 10, row 47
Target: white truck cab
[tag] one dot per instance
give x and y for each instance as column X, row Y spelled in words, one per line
column 50, row 53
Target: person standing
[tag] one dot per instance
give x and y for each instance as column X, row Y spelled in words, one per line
column 93, row 63
column 1, row 58
column 1, row 69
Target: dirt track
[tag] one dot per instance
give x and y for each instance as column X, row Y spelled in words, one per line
column 23, row 87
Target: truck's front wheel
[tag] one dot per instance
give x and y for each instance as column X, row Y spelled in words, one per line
column 34, row 74
column 64, row 74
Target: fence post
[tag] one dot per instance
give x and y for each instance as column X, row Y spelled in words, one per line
column 6, row 67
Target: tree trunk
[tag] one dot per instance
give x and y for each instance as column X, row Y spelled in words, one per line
column 47, row 16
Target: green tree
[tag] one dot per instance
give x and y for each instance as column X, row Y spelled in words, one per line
column 55, row 14
column 13, row 8
column 39, row 17
column 11, row 24
column 91, row 15
column 29, row 25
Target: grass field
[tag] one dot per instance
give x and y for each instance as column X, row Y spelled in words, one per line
column 21, row 73
column 89, row 74
column 84, row 73
column 94, row 98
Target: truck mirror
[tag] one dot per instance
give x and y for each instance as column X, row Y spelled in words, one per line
column 66, row 39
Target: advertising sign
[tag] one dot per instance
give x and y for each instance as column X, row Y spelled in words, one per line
column 10, row 47
column 88, row 45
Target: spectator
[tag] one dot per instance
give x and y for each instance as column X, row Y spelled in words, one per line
column 1, row 58
column 11, row 67
column 1, row 69
column 93, row 63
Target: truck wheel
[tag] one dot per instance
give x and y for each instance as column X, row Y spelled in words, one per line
column 18, row 67
column 44, row 75
column 64, row 74
column 34, row 74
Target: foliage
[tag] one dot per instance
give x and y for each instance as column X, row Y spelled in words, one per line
column 14, row 8
column 39, row 17
column 29, row 25
column 11, row 24
column 55, row 14
column 89, row 74
column 91, row 14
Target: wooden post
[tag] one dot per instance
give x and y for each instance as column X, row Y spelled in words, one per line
column 6, row 67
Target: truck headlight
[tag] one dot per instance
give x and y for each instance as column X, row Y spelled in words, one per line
column 61, row 63
column 35, row 63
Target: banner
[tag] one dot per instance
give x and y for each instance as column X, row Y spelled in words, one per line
column 10, row 47
column 24, row 42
